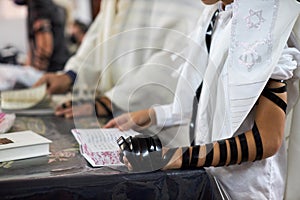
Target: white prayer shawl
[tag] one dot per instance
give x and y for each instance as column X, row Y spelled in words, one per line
column 126, row 52
column 248, row 66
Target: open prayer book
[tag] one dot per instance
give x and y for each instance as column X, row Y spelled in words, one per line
column 99, row 146
column 21, row 145
column 27, row 101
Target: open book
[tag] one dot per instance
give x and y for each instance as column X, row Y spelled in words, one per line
column 99, row 146
column 27, row 101
column 21, row 145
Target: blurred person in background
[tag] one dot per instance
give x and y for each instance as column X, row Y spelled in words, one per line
column 46, row 35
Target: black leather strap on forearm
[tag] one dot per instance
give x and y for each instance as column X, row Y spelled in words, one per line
column 195, row 156
column 223, row 152
column 185, row 158
column 269, row 93
column 145, row 154
column 258, row 142
column 274, row 98
column 279, row 90
column 233, row 151
column 244, row 147
column 209, row 154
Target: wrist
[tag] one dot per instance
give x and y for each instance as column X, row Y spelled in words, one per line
column 70, row 77
column 67, row 80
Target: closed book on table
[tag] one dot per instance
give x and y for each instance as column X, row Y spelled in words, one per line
column 22, row 145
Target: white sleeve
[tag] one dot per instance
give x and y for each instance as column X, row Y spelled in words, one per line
column 286, row 65
column 165, row 118
column 90, row 40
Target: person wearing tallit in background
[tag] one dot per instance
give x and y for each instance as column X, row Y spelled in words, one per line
column 122, row 55
column 243, row 90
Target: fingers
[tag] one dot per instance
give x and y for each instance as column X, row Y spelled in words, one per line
column 67, row 113
column 65, row 110
column 46, row 79
column 111, row 124
column 41, row 81
column 118, row 122
column 67, row 104
column 136, row 121
column 127, row 125
column 124, row 122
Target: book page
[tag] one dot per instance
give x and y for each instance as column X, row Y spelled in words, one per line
column 22, row 99
column 101, row 139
